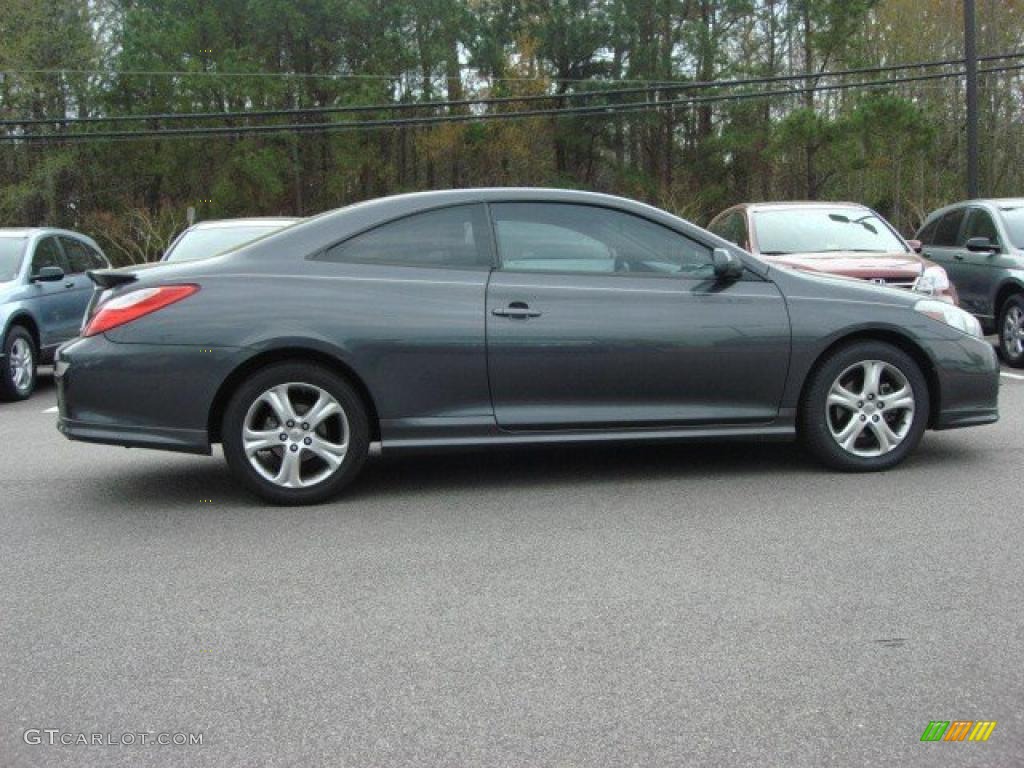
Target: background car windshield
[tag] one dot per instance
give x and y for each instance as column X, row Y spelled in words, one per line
column 824, row 230
column 202, row 243
column 11, row 249
column 1013, row 219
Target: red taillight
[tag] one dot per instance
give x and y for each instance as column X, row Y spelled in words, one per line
column 135, row 304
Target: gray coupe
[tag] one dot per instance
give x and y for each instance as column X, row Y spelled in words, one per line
column 483, row 317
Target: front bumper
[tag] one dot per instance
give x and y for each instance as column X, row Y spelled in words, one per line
column 967, row 374
column 139, row 395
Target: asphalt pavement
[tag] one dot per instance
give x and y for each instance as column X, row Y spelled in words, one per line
column 652, row 606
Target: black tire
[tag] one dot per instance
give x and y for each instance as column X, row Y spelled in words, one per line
column 306, row 377
column 1011, row 352
column 816, row 416
column 18, row 337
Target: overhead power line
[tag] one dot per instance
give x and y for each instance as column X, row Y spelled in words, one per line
column 111, row 71
column 487, row 101
column 594, row 110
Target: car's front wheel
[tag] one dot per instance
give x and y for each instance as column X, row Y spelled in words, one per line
column 18, row 372
column 865, row 408
column 1011, row 331
column 295, row 433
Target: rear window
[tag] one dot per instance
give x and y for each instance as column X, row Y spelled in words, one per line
column 11, row 251
column 203, row 243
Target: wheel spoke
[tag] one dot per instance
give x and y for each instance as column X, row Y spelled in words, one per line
column 844, row 398
column 900, row 400
column 849, row 434
column 325, row 407
column 280, row 403
column 332, row 454
column 887, row 439
column 290, row 473
column 260, row 439
column 872, row 377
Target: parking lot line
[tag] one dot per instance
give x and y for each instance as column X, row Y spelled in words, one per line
column 1016, row 376
column 51, row 410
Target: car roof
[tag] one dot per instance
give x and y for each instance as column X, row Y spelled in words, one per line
column 794, row 205
column 22, row 232
column 268, row 221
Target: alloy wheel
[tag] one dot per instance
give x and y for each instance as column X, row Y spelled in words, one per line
column 295, row 435
column 21, row 365
column 870, row 408
column 1013, row 332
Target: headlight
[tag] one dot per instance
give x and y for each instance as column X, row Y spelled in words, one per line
column 932, row 281
column 950, row 315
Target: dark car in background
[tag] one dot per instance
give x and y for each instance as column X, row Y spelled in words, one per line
column 208, row 238
column 498, row 317
column 981, row 245
column 842, row 239
column 44, row 292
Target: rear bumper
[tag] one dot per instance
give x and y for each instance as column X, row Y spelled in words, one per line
column 139, row 395
column 183, row 440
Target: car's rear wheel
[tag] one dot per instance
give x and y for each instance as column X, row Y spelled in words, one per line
column 18, row 372
column 865, row 408
column 1011, row 331
column 295, row 433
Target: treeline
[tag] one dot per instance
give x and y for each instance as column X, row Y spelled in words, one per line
column 899, row 148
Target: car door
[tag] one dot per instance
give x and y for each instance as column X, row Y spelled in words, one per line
column 48, row 299
column 80, row 258
column 601, row 318
column 978, row 269
column 943, row 245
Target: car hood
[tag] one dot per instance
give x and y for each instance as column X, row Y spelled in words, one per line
column 855, row 264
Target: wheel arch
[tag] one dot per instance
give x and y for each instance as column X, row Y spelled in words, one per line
column 886, row 335
column 1005, row 291
column 281, row 355
column 24, row 319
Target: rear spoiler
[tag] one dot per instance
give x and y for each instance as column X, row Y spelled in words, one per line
column 111, row 278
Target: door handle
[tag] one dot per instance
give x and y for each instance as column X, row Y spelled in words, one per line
column 958, row 256
column 69, row 284
column 517, row 310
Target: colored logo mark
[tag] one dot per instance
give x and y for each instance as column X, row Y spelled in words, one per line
column 958, row 730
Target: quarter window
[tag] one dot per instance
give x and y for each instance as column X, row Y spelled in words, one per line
column 559, row 237
column 927, row 233
column 449, row 237
column 948, row 228
column 47, row 255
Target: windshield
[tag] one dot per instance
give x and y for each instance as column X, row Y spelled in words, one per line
column 202, row 243
column 1013, row 218
column 11, row 249
column 823, row 230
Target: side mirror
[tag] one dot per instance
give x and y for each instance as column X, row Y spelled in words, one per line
column 727, row 266
column 48, row 275
column 915, row 245
column 980, row 245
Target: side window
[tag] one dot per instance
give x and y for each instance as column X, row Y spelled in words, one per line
column 449, row 237
column 99, row 261
column 927, row 233
column 948, row 228
column 560, row 237
column 980, row 224
column 79, row 255
column 47, row 254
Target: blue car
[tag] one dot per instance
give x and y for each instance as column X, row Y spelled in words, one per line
column 43, row 295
